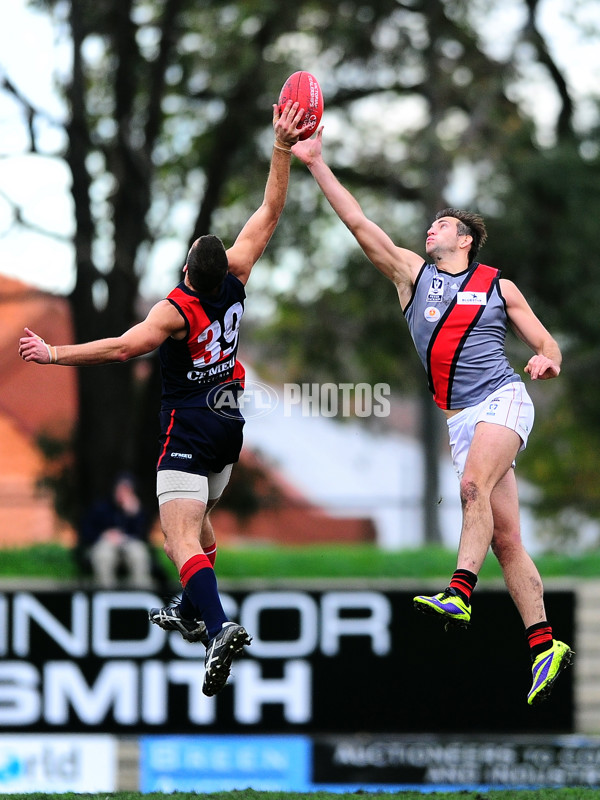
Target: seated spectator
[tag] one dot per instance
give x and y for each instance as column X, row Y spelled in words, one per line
column 114, row 537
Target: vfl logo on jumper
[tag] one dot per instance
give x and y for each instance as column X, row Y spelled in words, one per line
column 436, row 291
column 471, row 299
column 254, row 400
column 432, row 314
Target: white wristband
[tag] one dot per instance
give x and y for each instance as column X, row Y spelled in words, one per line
column 51, row 359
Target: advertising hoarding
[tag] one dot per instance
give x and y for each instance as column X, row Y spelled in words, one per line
column 328, row 661
column 56, row 763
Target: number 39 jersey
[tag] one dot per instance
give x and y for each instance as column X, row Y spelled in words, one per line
column 207, row 355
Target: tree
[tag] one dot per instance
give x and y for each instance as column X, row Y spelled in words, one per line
column 466, row 119
column 169, row 108
column 539, row 201
column 168, row 103
column 544, row 232
column 551, row 257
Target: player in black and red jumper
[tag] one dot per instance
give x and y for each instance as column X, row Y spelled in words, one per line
column 458, row 312
column 197, row 330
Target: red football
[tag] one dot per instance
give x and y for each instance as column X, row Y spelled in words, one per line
column 304, row 87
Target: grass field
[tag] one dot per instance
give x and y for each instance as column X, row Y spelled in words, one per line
column 250, row 794
column 337, row 561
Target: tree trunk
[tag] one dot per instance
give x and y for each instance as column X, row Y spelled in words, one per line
column 430, row 438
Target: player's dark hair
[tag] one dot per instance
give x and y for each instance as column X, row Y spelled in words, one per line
column 469, row 224
column 207, row 263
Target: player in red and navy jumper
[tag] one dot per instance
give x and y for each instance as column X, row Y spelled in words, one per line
column 195, row 369
column 458, row 312
column 197, row 329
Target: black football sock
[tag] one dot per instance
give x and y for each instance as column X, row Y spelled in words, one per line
column 186, row 608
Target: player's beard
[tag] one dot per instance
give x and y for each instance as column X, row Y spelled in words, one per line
column 437, row 252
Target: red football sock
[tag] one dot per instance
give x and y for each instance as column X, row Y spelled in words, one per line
column 211, row 553
column 539, row 638
column 192, row 565
column 464, row 582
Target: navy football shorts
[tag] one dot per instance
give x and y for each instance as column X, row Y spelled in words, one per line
column 198, row 440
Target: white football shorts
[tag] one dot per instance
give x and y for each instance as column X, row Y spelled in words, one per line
column 510, row 406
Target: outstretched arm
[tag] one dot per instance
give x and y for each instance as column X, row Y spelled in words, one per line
column 398, row 264
column 546, row 362
column 162, row 321
column 254, row 236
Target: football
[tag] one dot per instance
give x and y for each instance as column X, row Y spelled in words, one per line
column 304, row 88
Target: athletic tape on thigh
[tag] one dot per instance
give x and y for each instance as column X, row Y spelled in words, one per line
column 171, row 484
column 217, row 481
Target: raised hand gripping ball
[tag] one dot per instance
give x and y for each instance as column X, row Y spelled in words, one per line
column 304, row 88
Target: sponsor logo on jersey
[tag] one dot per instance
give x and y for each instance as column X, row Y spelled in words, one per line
column 187, row 456
column 432, row 314
column 471, row 298
column 207, row 375
column 436, row 290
